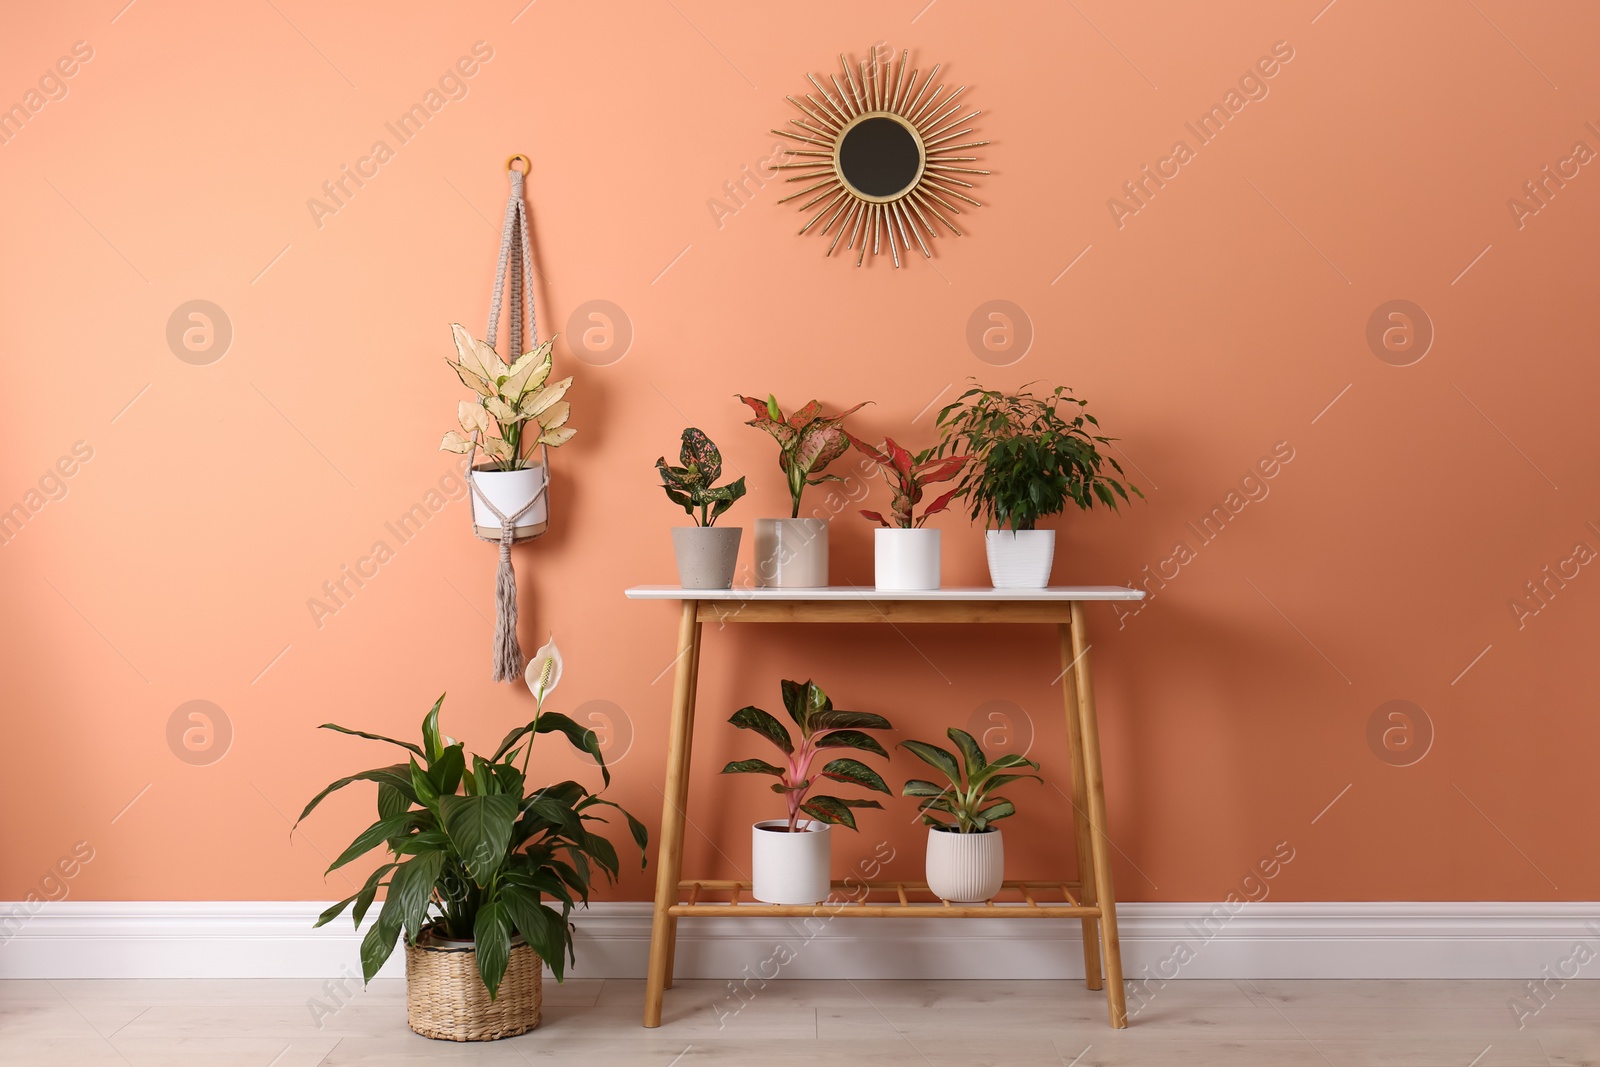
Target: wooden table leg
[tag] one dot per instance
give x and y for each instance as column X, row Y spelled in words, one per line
column 1080, row 810
column 669, row 858
column 1096, row 797
column 683, row 792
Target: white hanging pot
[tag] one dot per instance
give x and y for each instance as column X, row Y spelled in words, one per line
column 965, row 868
column 905, row 559
column 790, row 868
column 1020, row 559
column 706, row 555
column 511, row 491
column 791, row 553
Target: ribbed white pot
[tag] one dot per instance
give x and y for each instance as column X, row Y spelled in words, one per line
column 963, row 868
column 791, row 553
column 510, row 491
column 789, row 868
column 1020, row 559
column 905, row 559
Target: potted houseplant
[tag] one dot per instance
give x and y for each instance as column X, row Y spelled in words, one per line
column 905, row 553
column 793, row 552
column 706, row 555
column 482, row 870
column 966, row 854
column 790, row 856
column 1033, row 455
column 516, row 408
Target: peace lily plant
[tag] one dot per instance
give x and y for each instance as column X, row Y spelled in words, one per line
column 473, row 851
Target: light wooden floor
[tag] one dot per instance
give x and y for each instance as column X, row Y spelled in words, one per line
column 885, row 1024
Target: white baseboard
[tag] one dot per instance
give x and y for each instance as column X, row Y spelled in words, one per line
column 247, row 939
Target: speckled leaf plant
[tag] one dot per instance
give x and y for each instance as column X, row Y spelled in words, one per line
column 822, row 727
column 510, row 398
column 907, row 474
column 693, row 485
column 807, row 440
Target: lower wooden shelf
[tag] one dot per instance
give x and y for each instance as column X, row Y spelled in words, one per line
column 1016, row 900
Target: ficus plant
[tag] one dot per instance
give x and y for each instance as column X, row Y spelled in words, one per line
column 907, row 474
column 515, row 409
column 473, row 851
column 968, row 803
column 807, row 440
column 1032, row 455
column 693, row 485
column 822, row 727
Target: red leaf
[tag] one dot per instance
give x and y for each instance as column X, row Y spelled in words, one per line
column 875, row 517
column 940, row 470
column 758, row 406
column 871, row 453
column 902, row 458
column 805, row 415
column 940, row 504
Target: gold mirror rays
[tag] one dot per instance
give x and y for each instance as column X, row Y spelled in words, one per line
column 878, row 154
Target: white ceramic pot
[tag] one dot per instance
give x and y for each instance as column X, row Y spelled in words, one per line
column 1020, row 559
column 791, row 553
column 905, row 559
column 510, row 491
column 706, row 555
column 789, row 868
column 963, row 868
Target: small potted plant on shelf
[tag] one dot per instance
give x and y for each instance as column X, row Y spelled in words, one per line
column 482, row 870
column 515, row 410
column 966, row 854
column 790, row 856
column 1033, row 455
column 793, row 552
column 905, row 554
column 706, row 556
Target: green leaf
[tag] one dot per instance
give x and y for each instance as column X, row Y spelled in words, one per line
column 969, row 751
column 999, row 781
column 918, row 787
column 426, row 841
column 851, row 739
column 480, row 830
column 369, row 892
column 370, row 737
column 935, row 757
column 1001, row 763
column 391, row 801
column 427, row 793
column 752, row 766
column 371, row 838
column 641, row 835
column 396, row 775
column 491, row 936
column 1000, row 809
column 542, row 928
column 851, row 770
column 412, row 887
column 378, row 944
column 752, row 718
column 848, row 720
column 834, row 810
column 432, row 746
column 582, row 738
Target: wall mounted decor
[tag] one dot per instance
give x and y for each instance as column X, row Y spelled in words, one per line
column 880, row 156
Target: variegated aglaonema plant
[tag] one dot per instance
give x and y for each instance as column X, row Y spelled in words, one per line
column 907, row 474
column 807, row 440
column 515, row 406
column 822, row 727
column 693, row 486
column 969, row 801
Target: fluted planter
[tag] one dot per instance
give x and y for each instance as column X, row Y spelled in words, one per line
column 965, row 868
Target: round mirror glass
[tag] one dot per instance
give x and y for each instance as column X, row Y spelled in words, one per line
column 880, row 157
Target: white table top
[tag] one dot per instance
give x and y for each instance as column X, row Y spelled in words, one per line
column 855, row 592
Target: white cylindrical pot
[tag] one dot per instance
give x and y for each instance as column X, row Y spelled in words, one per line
column 706, row 556
column 905, row 559
column 791, row 553
column 965, row 868
column 510, row 491
column 1020, row 559
column 789, row 868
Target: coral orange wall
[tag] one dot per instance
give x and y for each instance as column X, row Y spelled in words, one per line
column 1219, row 319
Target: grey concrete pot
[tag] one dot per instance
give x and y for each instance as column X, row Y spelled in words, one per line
column 707, row 555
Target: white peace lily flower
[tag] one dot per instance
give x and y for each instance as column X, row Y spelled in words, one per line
column 543, row 673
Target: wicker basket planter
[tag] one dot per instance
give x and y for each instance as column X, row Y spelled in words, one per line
column 446, row 999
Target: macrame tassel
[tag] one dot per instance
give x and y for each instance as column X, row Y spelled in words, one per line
column 507, row 652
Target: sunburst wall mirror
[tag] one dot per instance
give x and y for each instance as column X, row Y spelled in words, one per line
column 881, row 155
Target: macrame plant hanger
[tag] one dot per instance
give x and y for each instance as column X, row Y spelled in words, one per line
column 516, row 257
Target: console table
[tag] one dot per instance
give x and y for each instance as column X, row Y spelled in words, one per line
column 1089, row 898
